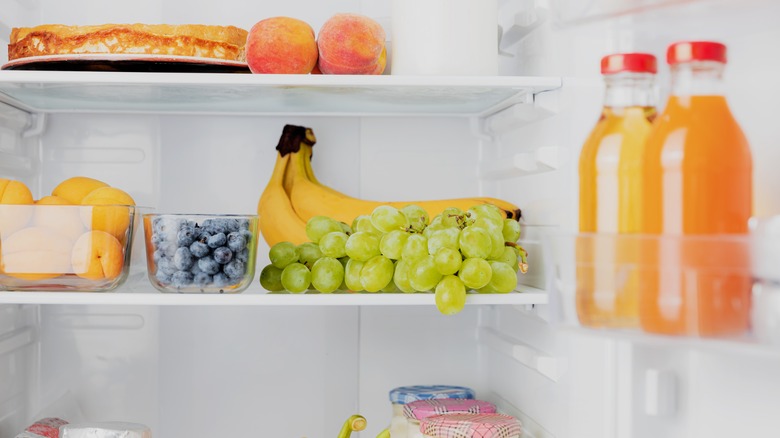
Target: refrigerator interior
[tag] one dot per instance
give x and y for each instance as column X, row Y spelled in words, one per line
column 292, row 366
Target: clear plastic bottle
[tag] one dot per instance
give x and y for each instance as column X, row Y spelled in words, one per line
column 610, row 171
column 698, row 188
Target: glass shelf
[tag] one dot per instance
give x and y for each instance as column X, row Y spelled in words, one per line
column 215, row 93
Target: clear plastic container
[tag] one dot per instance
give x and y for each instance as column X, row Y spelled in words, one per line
column 471, row 426
column 65, row 247
column 704, row 282
column 416, row 411
column 403, row 395
column 196, row 253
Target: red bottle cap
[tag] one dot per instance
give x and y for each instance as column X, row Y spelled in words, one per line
column 628, row 62
column 688, row 51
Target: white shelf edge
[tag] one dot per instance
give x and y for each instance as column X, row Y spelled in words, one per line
column 524, row 296
column 526, row 355
column 531, row 429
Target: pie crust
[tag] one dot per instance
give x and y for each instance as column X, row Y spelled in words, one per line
column 198, row 40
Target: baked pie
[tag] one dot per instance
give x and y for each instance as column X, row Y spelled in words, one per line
column 203, row 41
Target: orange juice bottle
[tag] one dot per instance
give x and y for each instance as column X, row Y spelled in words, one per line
column 610, row 170
column 698, row 191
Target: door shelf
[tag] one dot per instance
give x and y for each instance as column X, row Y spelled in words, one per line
column 215, row 93
column 256, row 296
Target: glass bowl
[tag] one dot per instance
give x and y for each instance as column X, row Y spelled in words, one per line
column 65, row 247
column 198, row 253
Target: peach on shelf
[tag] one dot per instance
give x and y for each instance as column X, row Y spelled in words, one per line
column 76, row 188
column 110, row 213
column 58, row 214
column 281, row 45
column 351, row 44
column 36, row 253
column 13, row 218
column 97, row 255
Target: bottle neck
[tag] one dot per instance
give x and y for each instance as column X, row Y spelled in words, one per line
column 698, row 78
column 630, row 90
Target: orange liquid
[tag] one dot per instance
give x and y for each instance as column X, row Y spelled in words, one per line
column 698, row 181
column 611, row 191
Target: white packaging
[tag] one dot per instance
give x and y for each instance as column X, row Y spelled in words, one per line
column 444, row 37
column 105, row 430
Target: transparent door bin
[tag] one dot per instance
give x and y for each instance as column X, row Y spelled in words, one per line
column 65, row 247
column 667, row 285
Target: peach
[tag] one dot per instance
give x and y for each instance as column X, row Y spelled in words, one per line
column 114, row 219
column 281, row 45
column 36, row 253
column 58, row 214
column 351, row 44
column 97, row 255
column 75, row 189
column 14, row 218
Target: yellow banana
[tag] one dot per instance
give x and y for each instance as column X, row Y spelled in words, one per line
column 310, row 198
column 277, row 219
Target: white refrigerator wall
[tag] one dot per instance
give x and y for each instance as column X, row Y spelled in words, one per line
column 299, row 371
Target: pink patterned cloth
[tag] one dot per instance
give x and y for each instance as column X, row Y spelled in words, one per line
column 427, row 408
column 471, row 426
column 47, row 427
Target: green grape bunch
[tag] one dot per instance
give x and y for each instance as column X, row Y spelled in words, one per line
column 403, row 251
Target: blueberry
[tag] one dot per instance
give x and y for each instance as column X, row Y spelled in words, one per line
column 169, row 248
column 235, row 269
column 162, row 277
column 201, row 234
column 243, row 224
column 215, row 226
column 166, row 265
column 158, row 254
column 208, row 265
column 186, row 224
column 236, row 242
column 243, row 255
column 202, row 279
column 223, row 255
column 195, row 269
column 217, row 240
column 157, row 238
column 199, row 249
column 186, row 236
column 181, row 279
column 247, row 234
column 183, row 259
column 220, row 280
column 232, row 225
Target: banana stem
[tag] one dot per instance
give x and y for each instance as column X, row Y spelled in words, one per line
column 353, row 423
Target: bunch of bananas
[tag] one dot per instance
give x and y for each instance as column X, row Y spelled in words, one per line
column 294, row 195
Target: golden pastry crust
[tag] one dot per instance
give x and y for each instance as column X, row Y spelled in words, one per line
column 206, row 41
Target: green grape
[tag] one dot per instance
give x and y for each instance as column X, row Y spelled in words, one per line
column 376, row 273
column 343, row 261
column 392, row 244
column 508, row 257
column 496, row 245
column 452, row 217
column 282, row 254
column 308, row 253
column 488, row 211
column 487, row 289
column 362, row 245
column 401, row 276
column 417, row 217
column 296, row 278
column 511, row 230
column 450, row 295
column 475, row 242
column 363, row 223
column 327, row 274
column 387, row 218
column 271, row 278
column 444, row 238
column 334, row 244
column 318, row 226
column 475, row 273
column 352, row 275
column 434, row 226
column 503, row 279
column 391, row 288
column 447, row 260
column 415, row 248
column 345, row 228
column 423, row 276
